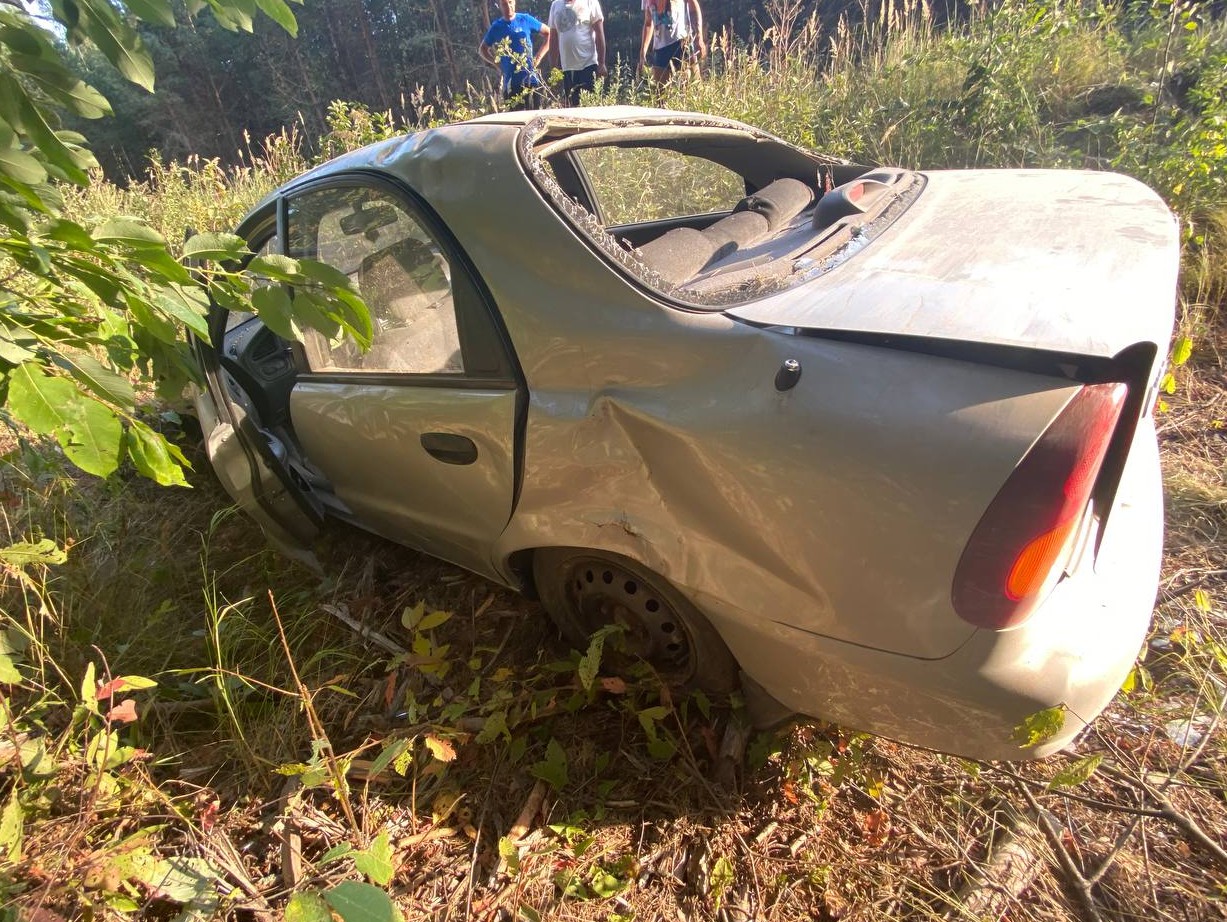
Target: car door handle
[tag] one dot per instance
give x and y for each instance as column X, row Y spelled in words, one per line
column 449, row 447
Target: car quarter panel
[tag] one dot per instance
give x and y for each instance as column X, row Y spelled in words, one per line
column 1073, row 652
column 839, row 507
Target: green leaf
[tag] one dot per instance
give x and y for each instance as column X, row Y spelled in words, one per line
column 1201, row 599
column 336, row 853
column 19, row 350
column 272, row 303
column 43, row 552
column 155, row 11
column 1182, row 351
column 87, row 430
column 11, row 822
column 702, row 702
column 89, row 688
column 20, row 111
column 389, row 754
column 274, row 266
column 64, row 88
column 21, row 41
column 495, row 725
column 92, row 439
column 1075, row 774
column 324, row 274
column 376, row 861
column 510, row 855
column 154, row 456
column 134, row 683
column 314, row 311
column 434, row 619
column 356, row 902
column 604, row 884
column 661, row 748
column 20, row 166
column 307, row 907
column 117, row 40
column 68, row 232
column 590, row 662
column 217, row 247
column 1040, row 727
column 553, row 768
column 185, row 880
column 1139, row 677
column 278, row 12
column 410, row 617
column 720, row 879
column 151, row 320
column 9, row 675
column 129, row 232
column 187, row 304
column 99, row 380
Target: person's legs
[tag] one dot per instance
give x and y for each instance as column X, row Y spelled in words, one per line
column 574, row 81
column 570, row 86
column 666, row 60
column 523, row 96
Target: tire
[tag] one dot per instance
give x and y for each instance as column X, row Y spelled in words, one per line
column 583, row 591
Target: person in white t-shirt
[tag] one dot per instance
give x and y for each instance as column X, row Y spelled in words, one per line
column 580, row 27
column 673, row 27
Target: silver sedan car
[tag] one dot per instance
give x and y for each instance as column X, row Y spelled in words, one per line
column 874, row 445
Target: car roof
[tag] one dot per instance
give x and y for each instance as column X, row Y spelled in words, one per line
column 393, row 154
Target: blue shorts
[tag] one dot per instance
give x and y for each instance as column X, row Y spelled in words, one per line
column 669, row 57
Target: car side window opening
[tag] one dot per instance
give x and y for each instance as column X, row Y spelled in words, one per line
column 400, row 272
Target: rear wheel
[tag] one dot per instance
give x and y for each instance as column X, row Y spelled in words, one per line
column 584, row 591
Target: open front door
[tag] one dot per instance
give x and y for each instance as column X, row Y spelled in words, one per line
column 246, row 369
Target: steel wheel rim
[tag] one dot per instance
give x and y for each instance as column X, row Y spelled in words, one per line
column 601, row 592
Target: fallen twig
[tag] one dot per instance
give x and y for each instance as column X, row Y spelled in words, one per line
column 532, row 807
column 1010, row 870
column 1052, row 828
column 366, row 633
column 1186, row 823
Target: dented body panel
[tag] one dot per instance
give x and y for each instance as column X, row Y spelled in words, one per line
column 817, row 523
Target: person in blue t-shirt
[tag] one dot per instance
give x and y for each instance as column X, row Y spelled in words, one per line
column 508, row 45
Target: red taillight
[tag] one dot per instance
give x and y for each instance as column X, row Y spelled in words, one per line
column 1026, row 534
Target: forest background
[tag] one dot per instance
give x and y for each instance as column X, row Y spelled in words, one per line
column 218, row 87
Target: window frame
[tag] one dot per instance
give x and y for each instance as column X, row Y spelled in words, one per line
column 479, row 325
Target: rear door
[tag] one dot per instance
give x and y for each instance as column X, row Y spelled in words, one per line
column 416, row 437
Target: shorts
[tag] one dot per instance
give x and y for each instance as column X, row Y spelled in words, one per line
column 575, row 80
column 670, row 57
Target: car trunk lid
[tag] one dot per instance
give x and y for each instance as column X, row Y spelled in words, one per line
column 1061, row 260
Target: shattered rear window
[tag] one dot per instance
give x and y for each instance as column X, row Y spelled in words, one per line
column 707, row 212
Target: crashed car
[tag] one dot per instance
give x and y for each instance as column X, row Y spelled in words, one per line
column 874, row 444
